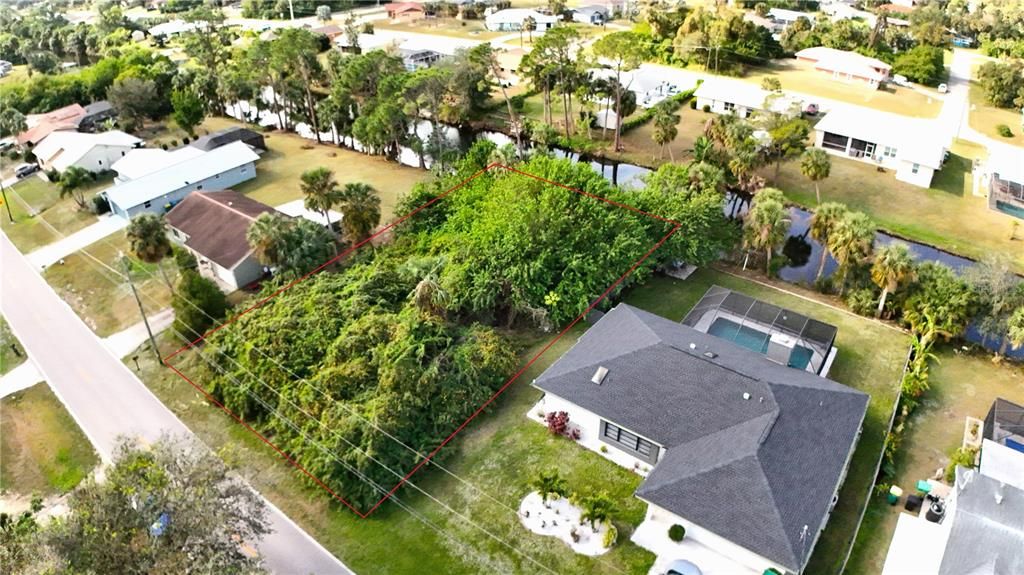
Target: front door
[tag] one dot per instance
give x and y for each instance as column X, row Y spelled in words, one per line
column 869, row 150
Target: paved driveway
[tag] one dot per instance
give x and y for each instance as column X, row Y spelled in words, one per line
column 107, row 400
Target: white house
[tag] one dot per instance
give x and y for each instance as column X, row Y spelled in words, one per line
column 912, row 147
column 511, row 20
column 847, row 66
column 173, row 28
column 213, row 226
column 592, row 14
column 94, row 152
column 141, row 161
column 723, row 96
column 158, row 191
column 746, row 453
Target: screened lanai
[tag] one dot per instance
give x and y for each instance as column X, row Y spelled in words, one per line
column 785, row 336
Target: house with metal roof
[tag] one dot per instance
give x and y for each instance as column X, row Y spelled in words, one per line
column 745, row 452
column 513, row 20
column 158, row 191
column 743, row 99
column 96, row 153
column 228, row 135
column 212, row 226
column 910, row 146
column 846, row 66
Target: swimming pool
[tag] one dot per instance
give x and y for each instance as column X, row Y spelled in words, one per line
column 755, row 340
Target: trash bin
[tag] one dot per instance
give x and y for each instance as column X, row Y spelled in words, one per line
column 894, row 495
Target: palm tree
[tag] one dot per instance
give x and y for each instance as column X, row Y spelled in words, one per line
column 766, row 224
column 360, row 205
column 529, row 24
column 822, row 223
column 147, row 236
column 892, row 267
column 429, row 297
column 815, row 165
column 597, row 508
column 321, row 192
column 850, row 243
column 71, row 183
column 267, row 236
column 665, row 130
column 549, row 484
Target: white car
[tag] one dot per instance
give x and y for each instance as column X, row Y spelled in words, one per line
column 900, row 80
column 943, row 88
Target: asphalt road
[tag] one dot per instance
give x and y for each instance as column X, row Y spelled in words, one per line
column 108, row 401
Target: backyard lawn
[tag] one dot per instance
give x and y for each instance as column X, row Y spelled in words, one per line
column 42, row 448
column 802, row 77
column 496, row 456
column 962, row 384
column 103, row 299
column 947, row 215
column 984, row 118
column 34, row 203
column 289, row 155
column 11, row 352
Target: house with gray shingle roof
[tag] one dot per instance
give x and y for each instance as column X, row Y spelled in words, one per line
column 746, row 453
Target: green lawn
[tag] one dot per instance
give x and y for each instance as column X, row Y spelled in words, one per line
column 962, row 384
column 42, row 449
column 288, row 156
column 984, row 117
column 802, row 77
column 102, row 299
column 11, row 352
column 870, row 358
column 947, row 215
column 36, row 206
column 499, row 452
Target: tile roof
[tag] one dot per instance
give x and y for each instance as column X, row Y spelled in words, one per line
column 755, row 471
column 216, row 224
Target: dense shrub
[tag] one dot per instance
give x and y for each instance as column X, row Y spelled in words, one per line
column 706, row 108
column 197, row 303
column 862, row 301
column 676, row 533
column 1004, row 131
column 557, row 422
column 962, row 457
column 100, row 205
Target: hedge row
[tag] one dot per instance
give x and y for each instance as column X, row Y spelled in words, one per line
column 674, row 102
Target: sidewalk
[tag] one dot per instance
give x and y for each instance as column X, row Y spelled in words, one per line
column 120, row 344
column 58, row 250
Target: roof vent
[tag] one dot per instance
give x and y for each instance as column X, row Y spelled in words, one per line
column 599, row 375
column 693, row 346
column 746, row 395
column 710, row 354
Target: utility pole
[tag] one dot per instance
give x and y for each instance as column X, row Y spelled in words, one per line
column 291, row 11
column 142, row 311
column 3, row 192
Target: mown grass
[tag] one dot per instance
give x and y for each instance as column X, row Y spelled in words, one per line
column 92, row 282
column 984, row 117
column 42, row 448
column 961, row 385
column 36, row 206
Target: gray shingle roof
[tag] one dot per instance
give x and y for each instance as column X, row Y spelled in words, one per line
column 989, row 517
column 754, row 471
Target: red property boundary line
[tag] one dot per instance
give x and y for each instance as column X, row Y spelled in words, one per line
column 675, row 227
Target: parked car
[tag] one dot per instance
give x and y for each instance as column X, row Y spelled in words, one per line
column 682, row 567
column 943, row 88
column 25, row 169
column 901, row 81
column 811, row 109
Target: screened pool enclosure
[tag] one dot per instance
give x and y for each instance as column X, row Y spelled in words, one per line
column 783, row 335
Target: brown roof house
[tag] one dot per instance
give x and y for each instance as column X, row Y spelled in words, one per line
column 41, row 125
column 212, row 226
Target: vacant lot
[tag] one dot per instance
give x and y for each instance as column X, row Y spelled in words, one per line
column 288, row 156
column 496, row 456
column 41, row 216
column 962, row 385
column 42, row 448
column 468, row 29
column 984, row 118
column 11, row 352
column 91, row 283
column 802, row 77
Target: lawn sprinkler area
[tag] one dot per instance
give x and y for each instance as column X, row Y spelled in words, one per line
column 671, row 227
column 561, row 519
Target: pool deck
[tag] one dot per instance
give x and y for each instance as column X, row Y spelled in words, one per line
column 705, row 322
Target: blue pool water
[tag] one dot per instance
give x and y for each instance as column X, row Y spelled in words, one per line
column 755, row 340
